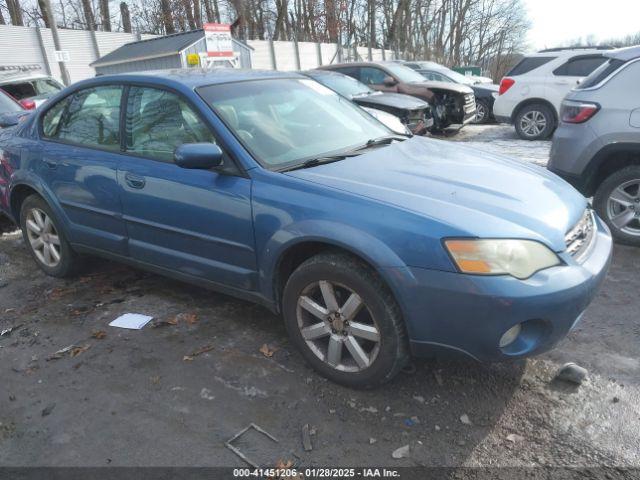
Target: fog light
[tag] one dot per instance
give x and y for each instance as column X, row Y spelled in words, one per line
column 509, row 336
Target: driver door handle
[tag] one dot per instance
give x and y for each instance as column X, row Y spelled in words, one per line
column 134, row 181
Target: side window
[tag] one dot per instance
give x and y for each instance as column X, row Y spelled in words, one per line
column 159, row 121
column 93, row 118
column 350, row 71
column 580, row 66
column 528, row 64
column 51, row 119
column 372, row 76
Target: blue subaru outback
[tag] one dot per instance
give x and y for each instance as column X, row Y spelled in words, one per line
column 270, row 187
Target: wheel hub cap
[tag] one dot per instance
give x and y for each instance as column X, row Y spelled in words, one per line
column 43, row 237
column 623, row 209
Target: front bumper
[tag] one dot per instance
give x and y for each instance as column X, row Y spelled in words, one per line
column 468, row 314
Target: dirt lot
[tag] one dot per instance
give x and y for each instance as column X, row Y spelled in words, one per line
column 147, row 398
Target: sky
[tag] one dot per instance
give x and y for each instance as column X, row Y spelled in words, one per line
column 557, row 21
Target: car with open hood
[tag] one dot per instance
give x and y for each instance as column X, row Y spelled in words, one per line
column 273, row 188
column 484, row 92
column 451, row 104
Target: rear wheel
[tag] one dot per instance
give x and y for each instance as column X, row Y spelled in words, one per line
column 617, row 202
column 345, row 321
column 535, row 122
column 45, row 239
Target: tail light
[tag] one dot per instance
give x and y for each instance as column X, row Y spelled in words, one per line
column 27, row 104
column 577, row 112
column 505, row 84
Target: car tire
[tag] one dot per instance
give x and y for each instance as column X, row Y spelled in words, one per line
column 311, row 295
column 617, row 201
column 535, row 121
column 483, row 112
column 45, row 239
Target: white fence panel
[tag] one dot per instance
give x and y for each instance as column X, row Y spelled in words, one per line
column 329, row 53
column 79, row 44
column 285, row 56
column 260, row 57
column 20, row 46
column 308, row 55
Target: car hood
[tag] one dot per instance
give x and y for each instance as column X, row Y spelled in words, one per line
column 490, row 87
column 433, row 85
column 395, row 100
column 475, row 193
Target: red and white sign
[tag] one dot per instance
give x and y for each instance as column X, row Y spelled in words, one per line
column 218, row 37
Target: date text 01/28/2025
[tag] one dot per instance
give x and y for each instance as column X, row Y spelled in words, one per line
column 316, row 473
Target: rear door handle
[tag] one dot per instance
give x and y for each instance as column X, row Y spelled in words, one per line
column 134, row 181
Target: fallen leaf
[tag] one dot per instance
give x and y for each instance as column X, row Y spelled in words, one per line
column 187, row 358
column 267, row 351
column 155, row 379
column 200, row 351
column 56, row 293
column 190, row 318
column 61, row 353
column 164, row 323
column 78, row 350
column 99, row 334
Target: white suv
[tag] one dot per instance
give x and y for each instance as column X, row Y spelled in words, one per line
column 531, row 93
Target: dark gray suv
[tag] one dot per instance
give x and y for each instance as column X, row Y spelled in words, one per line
column 597, row 145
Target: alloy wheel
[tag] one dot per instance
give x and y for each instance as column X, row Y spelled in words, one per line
column 533, row 123
column 623, row 207
column 337, row 326
column 481, row 112
column 43, row 237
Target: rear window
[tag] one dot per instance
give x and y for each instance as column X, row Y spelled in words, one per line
column 527, row 64
column 602, row 72
column 580, row 66
column 20, row 90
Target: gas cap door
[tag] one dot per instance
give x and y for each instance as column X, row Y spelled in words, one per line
column 634, row 119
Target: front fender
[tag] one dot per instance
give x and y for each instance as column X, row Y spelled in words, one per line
column 340, row 235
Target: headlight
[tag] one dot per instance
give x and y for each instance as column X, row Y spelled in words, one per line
column 518, row 258
column 390, row 121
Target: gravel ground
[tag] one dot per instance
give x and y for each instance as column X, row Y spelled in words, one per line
column 172, row 395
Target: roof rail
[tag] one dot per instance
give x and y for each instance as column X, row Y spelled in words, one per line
column 595, row 47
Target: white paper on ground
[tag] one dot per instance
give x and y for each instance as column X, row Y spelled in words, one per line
column 134, row 321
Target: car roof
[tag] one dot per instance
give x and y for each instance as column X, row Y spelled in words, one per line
column 569, row 52
column 20, row 77
column 194, row 77
column 625, row 54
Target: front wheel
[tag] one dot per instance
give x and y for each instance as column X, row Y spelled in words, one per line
column 617, row 202
column 482, row 112
column 345, row 321
column 45, row 239
column 535, row 122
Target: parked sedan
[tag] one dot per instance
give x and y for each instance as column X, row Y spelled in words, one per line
column 273, row 188
column 451, row 104
column 484, row 92
column 414, row 113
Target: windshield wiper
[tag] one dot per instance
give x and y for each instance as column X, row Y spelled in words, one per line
column 313, row 162
column 386, row 140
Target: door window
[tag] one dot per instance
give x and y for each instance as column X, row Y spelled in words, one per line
column 92, row 119
column 580, row 66
column 51, row 120
column 372, row 76
column 159, row 121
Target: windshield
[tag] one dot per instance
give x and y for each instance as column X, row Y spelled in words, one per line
column 286, row 121
column 404, row 74
column 344, row 85
column 7, row 105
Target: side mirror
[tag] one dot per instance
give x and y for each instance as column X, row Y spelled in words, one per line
column 389, row 81
column 198, row 156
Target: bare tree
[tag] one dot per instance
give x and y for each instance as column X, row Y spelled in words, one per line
column 126, row 17
column 105, row 15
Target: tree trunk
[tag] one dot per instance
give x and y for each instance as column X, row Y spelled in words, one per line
column 189, row 11
column 126, row 17
column 106, row 15
column 331, row 20
column 89, row 19
column 167, row 17
column 15, row 12
column 43, row 12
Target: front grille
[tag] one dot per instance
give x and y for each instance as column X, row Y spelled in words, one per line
column 469, row 102
column 580, row 238
column 415, row 118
